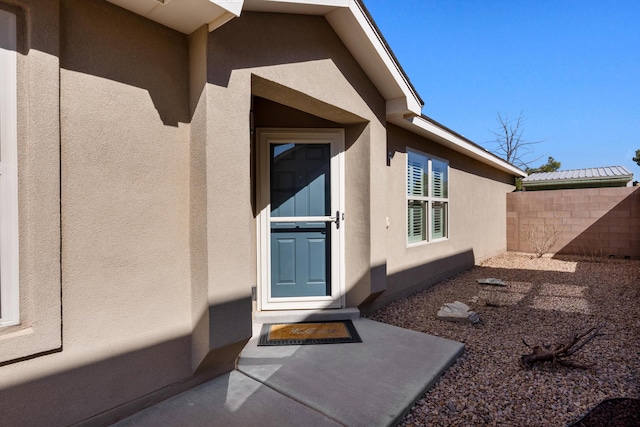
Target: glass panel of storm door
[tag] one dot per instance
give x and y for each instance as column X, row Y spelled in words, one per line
column 300, row 250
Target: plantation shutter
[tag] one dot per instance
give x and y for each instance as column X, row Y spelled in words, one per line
column 417, row 173
column 427, row 198
column 438, row 218
column 440, row 181
column 440, row 190
column 416, row 221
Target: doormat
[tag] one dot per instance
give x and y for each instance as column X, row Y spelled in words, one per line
column 303, row 333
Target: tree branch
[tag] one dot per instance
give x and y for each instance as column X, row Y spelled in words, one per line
column 556, row 354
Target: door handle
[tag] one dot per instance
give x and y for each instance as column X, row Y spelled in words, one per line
column 336, row 219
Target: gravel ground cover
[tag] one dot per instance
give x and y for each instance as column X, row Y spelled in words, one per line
column 544, row 301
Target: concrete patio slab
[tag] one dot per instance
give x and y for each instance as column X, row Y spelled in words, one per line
column 373, row 383
column 229, row 400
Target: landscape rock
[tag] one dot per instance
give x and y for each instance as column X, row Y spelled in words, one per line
column 492, row 282
column 457, row 312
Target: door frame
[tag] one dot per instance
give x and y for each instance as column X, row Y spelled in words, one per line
column 334, row 137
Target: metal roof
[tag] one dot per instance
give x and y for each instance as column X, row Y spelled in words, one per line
column 602, row 173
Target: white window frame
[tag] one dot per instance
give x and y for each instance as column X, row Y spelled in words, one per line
column 9, row 290
column 428, row 200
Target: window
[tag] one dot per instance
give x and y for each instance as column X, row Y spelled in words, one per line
column 9, row 297
column 427, row 198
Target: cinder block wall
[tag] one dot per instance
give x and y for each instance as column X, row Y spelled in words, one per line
column 602, row 222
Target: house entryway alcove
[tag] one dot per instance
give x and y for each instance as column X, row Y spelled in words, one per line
column 300, row 214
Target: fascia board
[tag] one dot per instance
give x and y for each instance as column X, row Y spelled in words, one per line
column 402, row 107
column 425, row 128
column 361, row 39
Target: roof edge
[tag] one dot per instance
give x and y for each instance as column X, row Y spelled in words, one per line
column 364, row 40
column 388, row 49
column 429, row 128
column 586, row 180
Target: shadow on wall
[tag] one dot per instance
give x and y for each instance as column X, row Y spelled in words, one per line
column 77, row 392
column 126, row 379
column 100, row 39
column 616, row 234
column 411, row 280
column 256, row 40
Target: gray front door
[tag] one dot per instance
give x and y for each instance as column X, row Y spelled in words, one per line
column 303, row 218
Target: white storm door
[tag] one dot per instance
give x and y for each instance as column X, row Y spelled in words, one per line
column 302, row 219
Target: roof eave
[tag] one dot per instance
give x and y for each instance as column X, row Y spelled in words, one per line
column 185, row 16
column 365, row 42
column 349, row 19
column 428, row 128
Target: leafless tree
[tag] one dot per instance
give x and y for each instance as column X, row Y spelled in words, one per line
column 511, row 146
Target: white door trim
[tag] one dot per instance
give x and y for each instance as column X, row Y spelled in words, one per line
column 334, row 137
column 9, row 238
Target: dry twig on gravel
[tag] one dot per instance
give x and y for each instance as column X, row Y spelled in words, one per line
column 558, row 352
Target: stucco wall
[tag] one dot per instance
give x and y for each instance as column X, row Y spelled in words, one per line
column 151, row 217
column 138, row 209
column 593, row 222
column 120, row 223
column 476, row 196
column 315, row 75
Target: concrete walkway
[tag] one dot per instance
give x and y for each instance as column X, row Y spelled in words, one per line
column 372, row 383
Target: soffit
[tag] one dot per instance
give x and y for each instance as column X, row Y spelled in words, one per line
column 185, row 16
column 300, row 101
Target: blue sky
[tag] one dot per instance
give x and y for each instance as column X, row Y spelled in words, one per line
column 571, row 67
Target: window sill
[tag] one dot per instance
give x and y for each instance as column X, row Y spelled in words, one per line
column 425, row 242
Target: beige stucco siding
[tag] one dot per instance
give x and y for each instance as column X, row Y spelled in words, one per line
column 299, row 62
column 138, row 183
column 476, row 196
column 122, row 192
column 125, row 171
